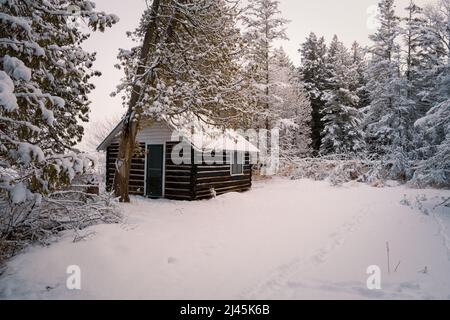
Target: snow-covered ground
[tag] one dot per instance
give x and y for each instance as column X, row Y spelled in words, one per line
column 282, row 240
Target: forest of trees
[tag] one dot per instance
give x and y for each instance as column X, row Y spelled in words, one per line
column 217, row 59
column 389, row 101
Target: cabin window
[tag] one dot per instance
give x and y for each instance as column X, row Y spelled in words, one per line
column 237, row 163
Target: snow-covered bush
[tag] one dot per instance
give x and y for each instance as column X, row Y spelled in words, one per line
column 337, row 169
column 41, row 219
column 430, row 173
column 435, row 128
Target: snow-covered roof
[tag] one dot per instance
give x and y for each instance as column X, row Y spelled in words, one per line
column 200, row 133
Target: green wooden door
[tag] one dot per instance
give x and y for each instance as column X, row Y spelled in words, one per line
column 155, row 163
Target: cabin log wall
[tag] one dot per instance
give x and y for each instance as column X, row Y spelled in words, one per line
column 194, row 181
column 178, row 177
column 218, row 176
column 137, row 172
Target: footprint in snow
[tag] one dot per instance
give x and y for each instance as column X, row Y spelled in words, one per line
column 171, row 260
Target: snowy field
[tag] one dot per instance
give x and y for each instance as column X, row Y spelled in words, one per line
column 282, row 240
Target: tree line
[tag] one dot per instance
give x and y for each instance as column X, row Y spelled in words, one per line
column 389, row 101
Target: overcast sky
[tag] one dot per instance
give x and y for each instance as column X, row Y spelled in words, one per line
column 349, row 19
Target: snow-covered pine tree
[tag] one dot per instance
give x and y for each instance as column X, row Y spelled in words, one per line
column 187, row 61
column 413, row 80
column 433, row 140
column 44, row 83
column 360, row 64
column 263, row 25
column 431, row 60
column 313, row 74
column 390, row 116
column 411, row 38
column 342, row 132
column 290, row 108
column 384, row 75
column 435, row 130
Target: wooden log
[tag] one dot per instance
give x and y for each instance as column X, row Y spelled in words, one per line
column 225, row 189
column 223, row 178
column 178, row 197
column 176, row 185
column 178, row 192
column 219, row 173
column 220, row 185
column 203, row 196
column 176, row 172
column 213, row 168
column 178, row 178
column 178, row 167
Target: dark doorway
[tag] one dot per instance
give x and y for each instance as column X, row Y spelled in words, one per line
column 155, row 162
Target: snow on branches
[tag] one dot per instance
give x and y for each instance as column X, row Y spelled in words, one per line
column 263, row 25
column 44, row 83
column 192, row 65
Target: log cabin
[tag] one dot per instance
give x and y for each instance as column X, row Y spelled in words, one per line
column 183, row 158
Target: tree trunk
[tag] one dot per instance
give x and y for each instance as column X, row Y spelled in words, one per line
column 132, row 118
column 267, row 70
column 123, row 162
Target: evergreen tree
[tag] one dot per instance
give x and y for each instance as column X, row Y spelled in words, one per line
column 433, row 47
column 384, row 75
column 435, row 130
column 411, row 35
column 290, row 108
column 391, row 113
column 360, row 64
column 44, row 85
column 263, row 25
column 433, row 73
column 313, row 74
column 342, row 132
